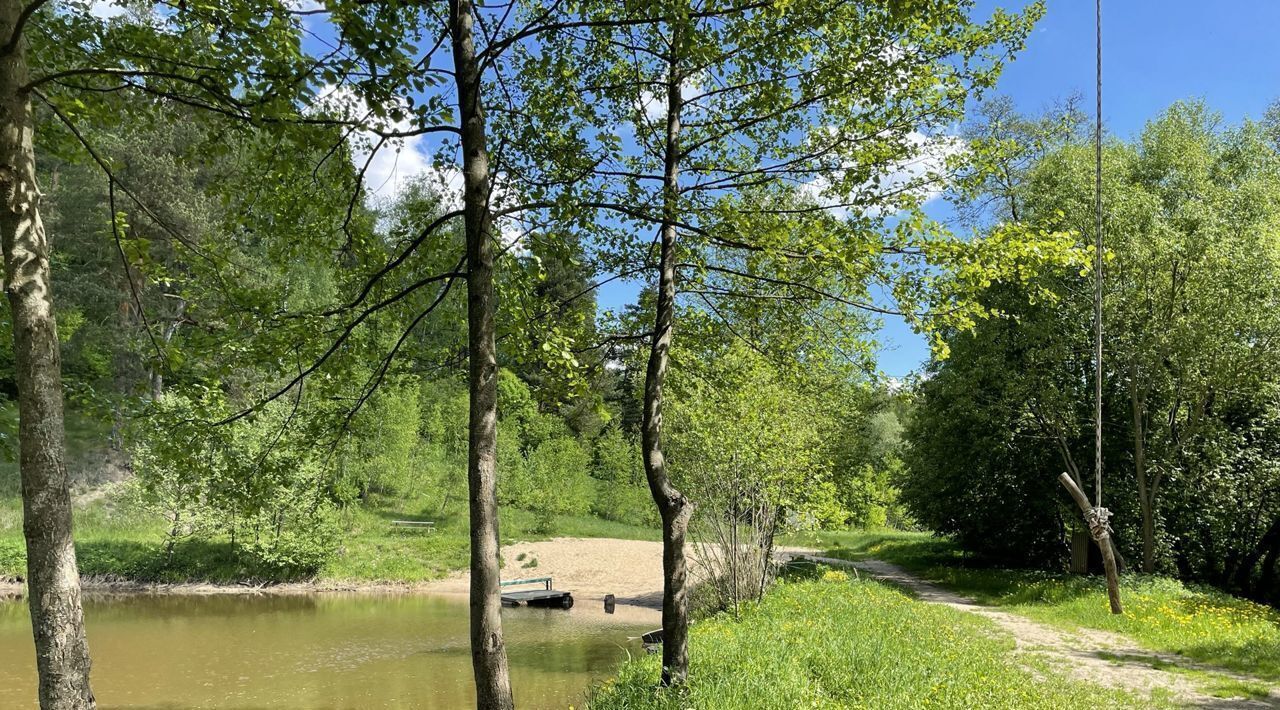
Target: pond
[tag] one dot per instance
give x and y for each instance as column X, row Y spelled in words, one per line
column 317, row 651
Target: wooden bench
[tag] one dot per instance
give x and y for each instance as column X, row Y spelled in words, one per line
column 427, row 525
column 545, row 581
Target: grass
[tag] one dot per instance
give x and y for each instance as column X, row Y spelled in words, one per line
column 1161, row 614
column 115, row 540
column 85, row 443
column 832, row 643
column 372, row 552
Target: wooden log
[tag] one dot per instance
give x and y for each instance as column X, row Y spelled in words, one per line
column 1102, row 535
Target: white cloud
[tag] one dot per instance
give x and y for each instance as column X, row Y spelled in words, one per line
column 921, row 176
column 654, row 104
column 105, row 10
column 388, row 164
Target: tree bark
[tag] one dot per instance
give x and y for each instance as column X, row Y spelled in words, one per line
column 1146, row 488
column 1104, row 545
column 673, row 507
column 488, row 651
column 1243, row 577
column 53, row 580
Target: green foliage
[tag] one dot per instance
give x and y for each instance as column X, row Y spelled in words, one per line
column 552, row 480
column 835, row 644
column 740, row 437
column 866, row 447
column 622, row 493
column 1193, row 262
column 383, row 450
column 247, row 483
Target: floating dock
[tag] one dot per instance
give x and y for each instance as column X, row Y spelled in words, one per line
column 545, row 597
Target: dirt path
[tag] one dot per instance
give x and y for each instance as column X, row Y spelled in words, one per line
column 1095, row 656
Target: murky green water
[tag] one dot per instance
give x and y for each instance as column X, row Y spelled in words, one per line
column 315, row 651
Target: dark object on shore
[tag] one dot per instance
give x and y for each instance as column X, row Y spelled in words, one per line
column 609, row 603
column 545, row 597
column 654, row 636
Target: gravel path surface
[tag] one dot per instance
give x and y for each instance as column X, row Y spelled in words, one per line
column 1091, row 655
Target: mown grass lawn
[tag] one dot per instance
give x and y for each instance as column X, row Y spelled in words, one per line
column 1161, row 614
column 835, row 643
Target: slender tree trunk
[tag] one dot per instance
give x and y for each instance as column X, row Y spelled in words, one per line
column 1146, row 491
column 674, row 508
column 488, row 651
column 53, row 581
column 156, row 373
column 1243, row 577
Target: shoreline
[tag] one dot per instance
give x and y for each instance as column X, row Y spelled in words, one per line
column 589, row 568
column 124, row 587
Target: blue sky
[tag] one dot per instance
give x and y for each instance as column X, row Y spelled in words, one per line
column 1155, row 52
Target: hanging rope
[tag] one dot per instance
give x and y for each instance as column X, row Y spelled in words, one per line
column 1097, row 275
column 1099, row 522
column 1097, row 517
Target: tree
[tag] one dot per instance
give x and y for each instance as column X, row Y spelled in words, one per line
column 1191, row 276
column 62, row 654
column 726, row 109
column 748, row 447
column 1179, row 302
column 76, row 64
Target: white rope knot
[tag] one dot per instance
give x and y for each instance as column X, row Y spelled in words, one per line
column 1099, row 520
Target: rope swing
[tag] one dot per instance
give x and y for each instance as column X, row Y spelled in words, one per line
column 1097, row 517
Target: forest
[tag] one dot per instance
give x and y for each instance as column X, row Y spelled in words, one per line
column 283, row 275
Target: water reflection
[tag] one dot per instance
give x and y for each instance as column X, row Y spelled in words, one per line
column 315, row 651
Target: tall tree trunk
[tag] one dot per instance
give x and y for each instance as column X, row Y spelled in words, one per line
column 53, row 581
column 1243, row 578
column 1146, row 488
column 156, row 373
column 674, row 508
column 488, row 651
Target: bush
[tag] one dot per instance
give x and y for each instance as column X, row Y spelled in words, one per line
column 13, row 559
column 291, row 540
column 624, row 503
column 551, row 481
column 250, row 482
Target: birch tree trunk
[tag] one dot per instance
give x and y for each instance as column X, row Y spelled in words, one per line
column 673, row 507
column 488, row 651
column 53, row 580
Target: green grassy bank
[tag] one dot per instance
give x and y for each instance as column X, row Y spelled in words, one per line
column 834, row 643
column 1161, row 614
